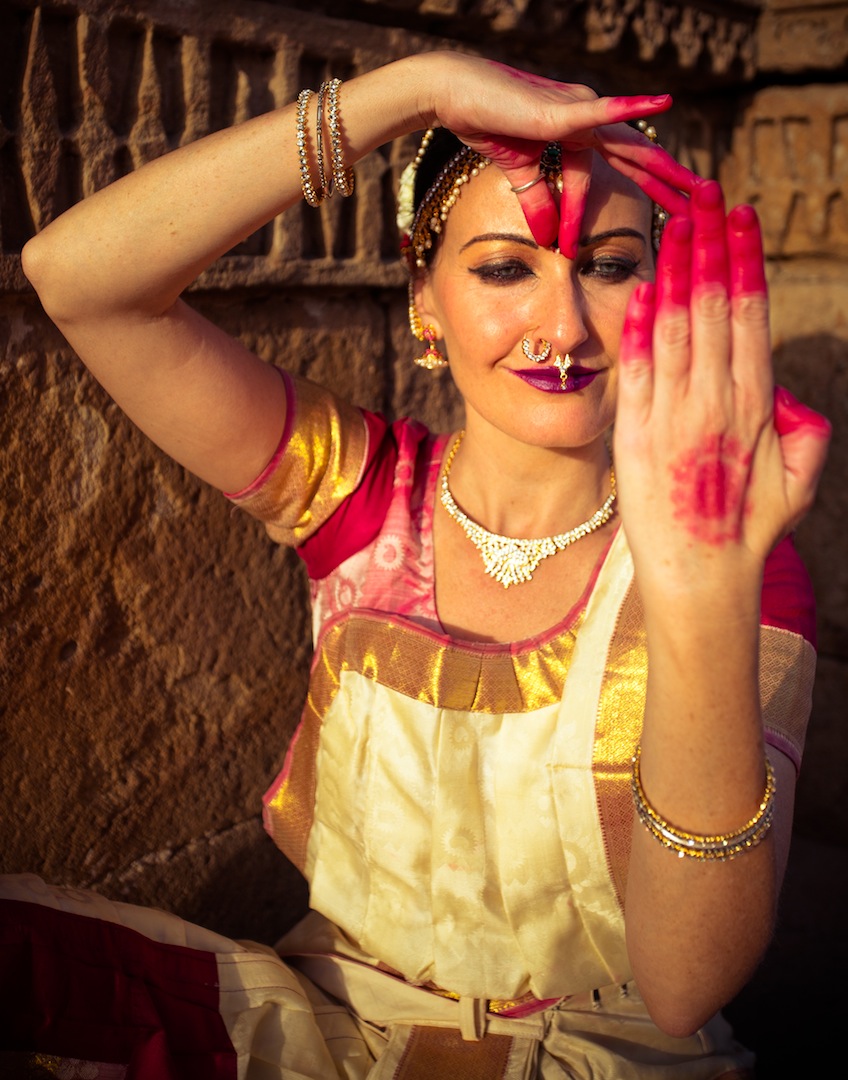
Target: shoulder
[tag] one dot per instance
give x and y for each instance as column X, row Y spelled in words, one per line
column 397, row 456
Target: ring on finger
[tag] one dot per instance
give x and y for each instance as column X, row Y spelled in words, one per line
column 526, row 187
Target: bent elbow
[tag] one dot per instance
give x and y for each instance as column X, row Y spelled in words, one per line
column 678, row 1023
column 33, row 261
column 39, row 264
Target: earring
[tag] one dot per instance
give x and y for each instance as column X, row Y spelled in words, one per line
column 539, row 357
column 431, row 358
column 562, row 364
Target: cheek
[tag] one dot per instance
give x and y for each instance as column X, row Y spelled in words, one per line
column 605, row 317
column 482, row 325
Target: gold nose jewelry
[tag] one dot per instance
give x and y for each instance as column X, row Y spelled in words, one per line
column 537, row 357
column 562, row 364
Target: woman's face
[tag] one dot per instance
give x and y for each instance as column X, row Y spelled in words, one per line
column 490, row 286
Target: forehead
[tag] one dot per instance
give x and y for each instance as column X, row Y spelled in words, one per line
column 486, row 204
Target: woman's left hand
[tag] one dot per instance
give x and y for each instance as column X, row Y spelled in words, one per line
column 714, row 466
column 510, row 116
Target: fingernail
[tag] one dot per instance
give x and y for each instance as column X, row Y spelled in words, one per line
column 679, row 228
column 708, row 195
column 741, row 218
column 661, row 100
column 790, row 415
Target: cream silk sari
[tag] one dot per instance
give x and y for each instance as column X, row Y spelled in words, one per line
column 462, row 813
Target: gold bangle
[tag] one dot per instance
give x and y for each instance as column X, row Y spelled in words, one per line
column 342, row 178
column 309, row 192
column 697, row 845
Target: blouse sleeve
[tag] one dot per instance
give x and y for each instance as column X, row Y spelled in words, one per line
column 318, row 463
column 787, row 650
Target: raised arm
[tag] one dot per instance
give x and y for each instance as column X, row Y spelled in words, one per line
column 111, row 270
column 713, row 469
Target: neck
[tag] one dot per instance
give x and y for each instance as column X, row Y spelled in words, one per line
column 526, row 491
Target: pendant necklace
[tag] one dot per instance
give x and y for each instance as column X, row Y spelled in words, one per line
column 506, row 559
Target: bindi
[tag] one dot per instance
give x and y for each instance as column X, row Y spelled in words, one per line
column 708, row 490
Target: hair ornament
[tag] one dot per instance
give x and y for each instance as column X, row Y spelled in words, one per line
column 406, row 189
column 419, row 228
column 659, row 216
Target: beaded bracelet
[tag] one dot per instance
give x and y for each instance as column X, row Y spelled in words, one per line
column 342, row 178
column 319, row 127
column 309, row 193
column 698, row 846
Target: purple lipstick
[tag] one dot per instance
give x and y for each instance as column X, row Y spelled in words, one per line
column 549, row 379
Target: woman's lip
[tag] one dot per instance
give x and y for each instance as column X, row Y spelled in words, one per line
column 549, row 380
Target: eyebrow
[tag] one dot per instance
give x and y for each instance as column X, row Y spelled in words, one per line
column 516, row 238
column 585, row 241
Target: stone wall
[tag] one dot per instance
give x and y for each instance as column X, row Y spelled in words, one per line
column 154, row 643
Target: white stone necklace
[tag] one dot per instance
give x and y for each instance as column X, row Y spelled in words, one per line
column 512, row 561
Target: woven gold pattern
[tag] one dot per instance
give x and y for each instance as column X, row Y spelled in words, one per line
column 621, row 711
column 787, row 671
column 320, row 467
column 402, row 657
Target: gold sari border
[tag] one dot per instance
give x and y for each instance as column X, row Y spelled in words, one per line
column 421, row 666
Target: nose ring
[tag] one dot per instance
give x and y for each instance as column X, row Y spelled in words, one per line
column 562, row 364
column 537, row 357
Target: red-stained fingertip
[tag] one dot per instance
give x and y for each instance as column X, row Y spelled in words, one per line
column 743, row 218
column 638, row 105
column 637, row 336
column 678, row 229
column 791, row 415
column 745, row 248
column 708, row 195
column 673, row 263
column 543, row 223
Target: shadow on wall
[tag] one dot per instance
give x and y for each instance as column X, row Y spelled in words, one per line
column 235, row 882
column 793, row 1011
column 255, row 894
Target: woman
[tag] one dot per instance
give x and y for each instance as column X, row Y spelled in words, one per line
column 518, row 776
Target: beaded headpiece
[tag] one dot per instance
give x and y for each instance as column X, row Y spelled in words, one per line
column 419, row 229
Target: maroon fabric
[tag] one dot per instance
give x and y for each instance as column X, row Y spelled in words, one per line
column 787, row 598
column 79, row 987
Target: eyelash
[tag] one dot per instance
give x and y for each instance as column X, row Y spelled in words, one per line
column 503, row 273
column 608, row 269
column 612, row 270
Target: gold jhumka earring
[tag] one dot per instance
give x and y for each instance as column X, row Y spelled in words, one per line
column 431, row 359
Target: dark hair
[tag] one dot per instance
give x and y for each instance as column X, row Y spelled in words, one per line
column 443, row 146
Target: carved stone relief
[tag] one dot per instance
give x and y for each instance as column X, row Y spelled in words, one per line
column 789, row 157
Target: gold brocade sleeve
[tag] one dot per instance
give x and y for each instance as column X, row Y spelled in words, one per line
column 787, row 672
column 319, row 467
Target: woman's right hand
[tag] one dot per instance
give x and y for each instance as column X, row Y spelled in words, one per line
column 111, row 270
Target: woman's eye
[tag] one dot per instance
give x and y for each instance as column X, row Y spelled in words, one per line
column 609, row 269
column 502, row 273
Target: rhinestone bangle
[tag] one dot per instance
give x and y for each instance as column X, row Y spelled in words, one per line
column 696, row 845
column 342, row 178
column 309, row 193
